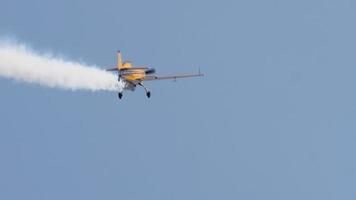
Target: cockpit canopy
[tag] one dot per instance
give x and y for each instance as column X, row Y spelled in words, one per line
column 127, row 64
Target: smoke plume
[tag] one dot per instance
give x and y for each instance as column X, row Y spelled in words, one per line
column 18, row 62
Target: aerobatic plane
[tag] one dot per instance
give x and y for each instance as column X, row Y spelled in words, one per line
column 132, row 76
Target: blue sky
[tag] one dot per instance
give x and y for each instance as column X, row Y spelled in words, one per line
column 274, row 117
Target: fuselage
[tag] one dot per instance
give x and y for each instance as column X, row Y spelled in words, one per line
column 133, row 74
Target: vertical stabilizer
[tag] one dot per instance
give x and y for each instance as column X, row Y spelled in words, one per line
column 119, row 60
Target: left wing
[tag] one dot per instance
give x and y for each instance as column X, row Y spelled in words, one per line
column 153, row 77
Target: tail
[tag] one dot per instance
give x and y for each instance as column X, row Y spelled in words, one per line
column 119, row 60
column 119, row 63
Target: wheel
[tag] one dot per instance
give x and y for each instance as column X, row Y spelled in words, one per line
column 120, row 95
column 148, row 94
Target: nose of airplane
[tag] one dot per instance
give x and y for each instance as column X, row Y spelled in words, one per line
column 150, row 71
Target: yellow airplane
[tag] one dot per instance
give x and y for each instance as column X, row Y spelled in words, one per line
column 131, row 76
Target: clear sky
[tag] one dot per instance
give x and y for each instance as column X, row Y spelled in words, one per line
column 274, row 117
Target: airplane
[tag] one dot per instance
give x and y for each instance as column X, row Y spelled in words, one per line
column 130, row 76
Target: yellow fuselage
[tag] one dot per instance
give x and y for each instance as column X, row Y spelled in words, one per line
column 134, row 75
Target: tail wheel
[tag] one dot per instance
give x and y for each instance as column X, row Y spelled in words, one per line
column 119, row 95
column 148, row 94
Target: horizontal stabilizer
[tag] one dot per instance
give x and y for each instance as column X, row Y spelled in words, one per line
column 112, row 69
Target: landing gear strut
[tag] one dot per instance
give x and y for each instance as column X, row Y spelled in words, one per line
column 148, row 93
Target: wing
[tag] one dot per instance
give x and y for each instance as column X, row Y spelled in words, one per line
column 153, row 78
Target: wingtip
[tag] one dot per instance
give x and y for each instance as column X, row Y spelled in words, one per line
column 199, row 72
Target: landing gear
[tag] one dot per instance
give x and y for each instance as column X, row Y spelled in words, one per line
column 119, row 95
column 148, row 93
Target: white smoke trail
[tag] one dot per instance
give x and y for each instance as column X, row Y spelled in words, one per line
column 20, row 63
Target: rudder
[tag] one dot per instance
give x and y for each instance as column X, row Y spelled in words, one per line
column 119, row 60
